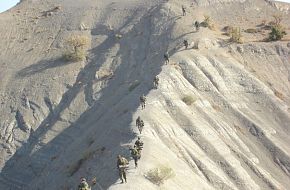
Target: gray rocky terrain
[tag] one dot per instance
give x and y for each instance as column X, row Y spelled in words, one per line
column 62, row 120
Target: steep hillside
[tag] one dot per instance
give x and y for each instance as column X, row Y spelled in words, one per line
column 219, row 118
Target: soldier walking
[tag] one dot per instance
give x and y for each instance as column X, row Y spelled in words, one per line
column 122, row 164
column 185, row 43
column 135, row 155
column 166, row 57
column 156, row 82
column 183, row 10
column 143, row 101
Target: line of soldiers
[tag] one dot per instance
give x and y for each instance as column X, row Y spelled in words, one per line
column 135, row 151
column 122, row 162
column 196, row 24
column 185, row 42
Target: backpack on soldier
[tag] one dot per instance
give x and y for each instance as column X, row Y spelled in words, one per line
column 124, row 161
column 134, row 152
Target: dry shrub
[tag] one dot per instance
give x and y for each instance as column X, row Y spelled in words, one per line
column 188, row 100
column 159, row 174
column 78, row 45
column 277, row 33
column 235, row 35
column 78, row 41
column 277, row 29
column 207, row 22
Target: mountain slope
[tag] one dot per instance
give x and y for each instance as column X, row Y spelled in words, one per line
column 63, row 120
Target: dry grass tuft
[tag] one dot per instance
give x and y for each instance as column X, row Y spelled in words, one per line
column 236, row 35
column 160, row 174
column 216, row 107
column 188, row 100
column 207, row 22
column 78, row 45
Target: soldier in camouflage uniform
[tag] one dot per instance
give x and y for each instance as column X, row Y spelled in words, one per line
column 143, row 101
column 122, row 164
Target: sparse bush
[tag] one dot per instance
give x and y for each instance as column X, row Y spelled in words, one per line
column 207, row 22
column 78, row 44
column 159, row 174
column 277, row 33
column 277, row 30
column 188, row 100
column 236, row 35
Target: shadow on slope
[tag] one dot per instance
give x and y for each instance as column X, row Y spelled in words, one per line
column 41, row 66
column 101, row 128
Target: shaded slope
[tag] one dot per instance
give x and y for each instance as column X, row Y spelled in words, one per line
column 235, row 135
